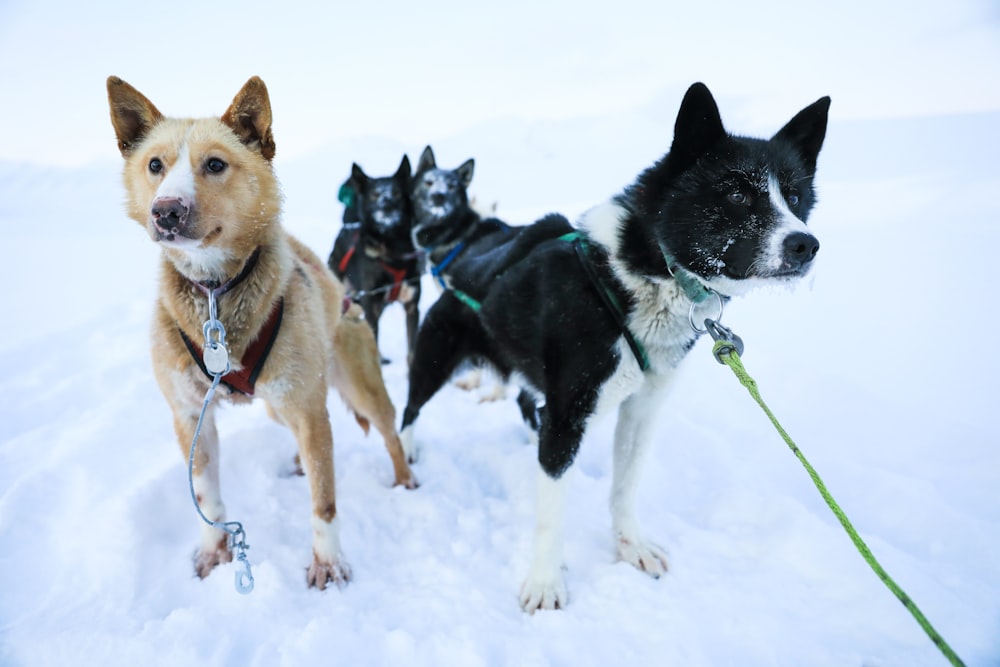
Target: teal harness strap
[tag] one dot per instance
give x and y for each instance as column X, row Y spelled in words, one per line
column 466, row 299
column 580, row 245
column 694, row 289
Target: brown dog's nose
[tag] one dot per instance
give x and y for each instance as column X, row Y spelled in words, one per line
column 170, row 214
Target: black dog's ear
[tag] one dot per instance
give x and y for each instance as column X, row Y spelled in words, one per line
column 359, row 179
column 806, row 131
column 698, row 128
column 402, row 174
column 426, row 161
column 465, row 171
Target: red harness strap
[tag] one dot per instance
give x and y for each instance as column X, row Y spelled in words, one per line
column 253, row 359
column 398, row 277
column 346, row 259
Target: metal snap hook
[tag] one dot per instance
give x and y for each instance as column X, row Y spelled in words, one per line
column 244, row 577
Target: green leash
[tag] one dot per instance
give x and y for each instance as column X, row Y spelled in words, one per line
column 727, row 350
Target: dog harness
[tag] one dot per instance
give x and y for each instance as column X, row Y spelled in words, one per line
column 256, row 354
column 580, row 246
column 398, row 274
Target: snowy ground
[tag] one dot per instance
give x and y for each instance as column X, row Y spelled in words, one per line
column 882, row 367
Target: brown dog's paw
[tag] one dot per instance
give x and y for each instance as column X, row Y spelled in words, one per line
column 409, row 482
column 321, row 573
column 205, row 561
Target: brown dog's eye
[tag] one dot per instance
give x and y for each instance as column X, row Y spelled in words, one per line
column 155, row 165
column 215, row 165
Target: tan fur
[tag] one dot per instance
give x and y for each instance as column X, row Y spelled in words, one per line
column 233, row 213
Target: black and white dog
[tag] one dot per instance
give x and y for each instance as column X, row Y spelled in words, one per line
column 602, row 318
column 373, row 253
column 452, row 233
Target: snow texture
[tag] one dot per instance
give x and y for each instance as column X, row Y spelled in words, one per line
column 881, row 366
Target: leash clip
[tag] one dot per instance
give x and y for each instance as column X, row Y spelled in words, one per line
column 244, row 576
column 726, row 342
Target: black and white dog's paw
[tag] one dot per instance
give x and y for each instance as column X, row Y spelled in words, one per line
column 644, row 555
column 544, row 591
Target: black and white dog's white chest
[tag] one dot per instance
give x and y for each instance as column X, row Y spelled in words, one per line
column 660, row 320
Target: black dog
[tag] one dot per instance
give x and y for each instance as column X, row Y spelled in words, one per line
column 373, row 253
column 452, row 233
column 601, row 318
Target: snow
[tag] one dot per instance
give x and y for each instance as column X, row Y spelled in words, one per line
column 881, row 365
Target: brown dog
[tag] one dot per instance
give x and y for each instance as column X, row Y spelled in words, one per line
column 206, row 193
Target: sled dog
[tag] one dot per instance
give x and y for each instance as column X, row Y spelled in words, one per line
column 205, row 192
column 600, row 317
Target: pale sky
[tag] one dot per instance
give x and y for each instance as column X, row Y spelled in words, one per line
column 421, row 71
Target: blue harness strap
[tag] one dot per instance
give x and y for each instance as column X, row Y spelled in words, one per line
column 438, row 269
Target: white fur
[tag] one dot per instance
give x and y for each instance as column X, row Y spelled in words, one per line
column 179, row 181
column 409, row 445
column 199, row 260
column 206, row 488
column 636, row 416
column 326, row 540
column 544, row 587
column 790, row 223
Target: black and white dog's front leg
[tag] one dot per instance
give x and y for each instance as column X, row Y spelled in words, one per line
column 544, row 587
column 558, row 442
column 636, row 416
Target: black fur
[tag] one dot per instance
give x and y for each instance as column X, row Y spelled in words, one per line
column 543, row 317
column 465, row 248
column 373, row 253
column 717, row 215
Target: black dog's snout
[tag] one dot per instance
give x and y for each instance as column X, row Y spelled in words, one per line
column 437, row 198
column 169, row 213
column 800, row 249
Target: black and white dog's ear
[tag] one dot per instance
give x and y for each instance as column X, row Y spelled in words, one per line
column 698, row 128
column 426, row 161
column 806, row 131
column 465, row 171
column 402, row 174
column 359, row 179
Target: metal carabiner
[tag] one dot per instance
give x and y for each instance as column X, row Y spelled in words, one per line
column 730, row 341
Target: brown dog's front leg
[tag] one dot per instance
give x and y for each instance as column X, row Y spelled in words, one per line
column 312, row 431
column 214, row 547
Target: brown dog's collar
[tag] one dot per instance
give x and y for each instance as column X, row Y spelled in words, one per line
column 221, row 288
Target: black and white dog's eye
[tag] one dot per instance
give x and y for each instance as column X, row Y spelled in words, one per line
column 215, row 165
column 793, row 200
column 155, row 165
column 739, row 198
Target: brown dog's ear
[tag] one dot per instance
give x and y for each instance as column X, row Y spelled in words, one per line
column 249, row 116
column 132, row 115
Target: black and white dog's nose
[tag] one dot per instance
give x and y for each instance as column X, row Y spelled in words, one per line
column 799, row 249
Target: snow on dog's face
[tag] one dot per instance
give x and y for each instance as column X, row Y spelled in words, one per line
column 203, row 189
column 733, row 209
column 384, row 203
column 440, row 200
